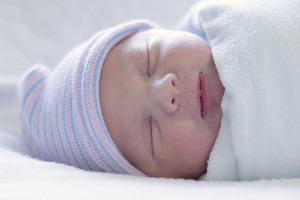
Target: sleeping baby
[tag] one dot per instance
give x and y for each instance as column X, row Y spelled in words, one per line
column 134, row 99
column 140, row 100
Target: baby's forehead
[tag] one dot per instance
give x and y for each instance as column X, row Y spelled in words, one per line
column 169, row 35
column 153, row 32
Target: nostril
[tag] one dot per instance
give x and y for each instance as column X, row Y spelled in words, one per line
column 173, row 101
column 173, row 83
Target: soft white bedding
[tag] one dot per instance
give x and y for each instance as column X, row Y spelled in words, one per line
column 42, row 31
column 256, row 46
column 24, row 177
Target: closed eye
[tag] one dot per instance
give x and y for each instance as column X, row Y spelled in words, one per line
column 151, row 134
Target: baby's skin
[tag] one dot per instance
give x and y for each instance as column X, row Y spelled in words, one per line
column 160, row 95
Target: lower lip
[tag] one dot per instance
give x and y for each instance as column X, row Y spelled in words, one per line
column 204, row 96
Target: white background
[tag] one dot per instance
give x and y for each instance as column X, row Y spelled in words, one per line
column 43, row 31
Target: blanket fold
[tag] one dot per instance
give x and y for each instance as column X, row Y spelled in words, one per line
column 256, row 48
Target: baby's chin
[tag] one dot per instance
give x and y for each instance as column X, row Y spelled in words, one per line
column 185, row 171
column 195, row 174
column 213, row 122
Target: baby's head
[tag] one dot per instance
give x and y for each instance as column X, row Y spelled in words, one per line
column 160, row 96
column 134, row 99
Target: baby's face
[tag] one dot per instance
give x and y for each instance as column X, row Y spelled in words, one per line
column 160, row 96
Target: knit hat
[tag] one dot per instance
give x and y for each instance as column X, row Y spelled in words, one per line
column 60, row 110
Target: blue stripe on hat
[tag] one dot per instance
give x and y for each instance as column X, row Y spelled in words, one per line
column 58, row 105
column 64, row 124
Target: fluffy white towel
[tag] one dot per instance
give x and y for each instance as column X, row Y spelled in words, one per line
column 256, row 48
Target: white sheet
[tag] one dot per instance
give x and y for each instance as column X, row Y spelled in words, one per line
column 24, row 177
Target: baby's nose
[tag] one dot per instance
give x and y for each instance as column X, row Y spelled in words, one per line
column 164, row 92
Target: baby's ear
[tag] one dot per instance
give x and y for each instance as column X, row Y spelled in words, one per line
column 30, row 89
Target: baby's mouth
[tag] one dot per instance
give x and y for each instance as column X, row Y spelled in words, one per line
column 204, row 98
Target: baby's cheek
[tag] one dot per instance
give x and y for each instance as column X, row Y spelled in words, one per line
column 190, row 157
column 182, row 145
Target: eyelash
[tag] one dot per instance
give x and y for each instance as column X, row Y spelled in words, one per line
column 150, row 123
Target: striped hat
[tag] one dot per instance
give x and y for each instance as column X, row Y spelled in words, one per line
column 60, row 110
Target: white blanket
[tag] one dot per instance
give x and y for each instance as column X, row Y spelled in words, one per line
column 256, row 48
